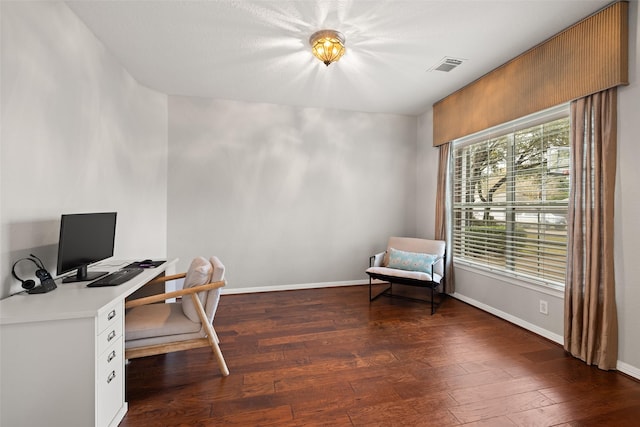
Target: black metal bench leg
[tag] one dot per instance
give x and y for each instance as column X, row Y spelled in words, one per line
column 372, row 297
column 389, row 291
column 432, row 305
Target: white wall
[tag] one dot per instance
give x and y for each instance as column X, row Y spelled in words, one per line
column 427, row 173
column 285, row 195
column 627, row 209
column 78, row 135
column 520, row 304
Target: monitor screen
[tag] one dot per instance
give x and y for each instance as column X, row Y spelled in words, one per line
column 85, row 239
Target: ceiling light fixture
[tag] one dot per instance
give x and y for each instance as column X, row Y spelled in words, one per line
column 327, row 45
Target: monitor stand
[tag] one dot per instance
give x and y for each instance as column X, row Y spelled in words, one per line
column 84, row 276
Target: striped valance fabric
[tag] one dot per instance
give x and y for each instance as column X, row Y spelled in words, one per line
column 587, row 57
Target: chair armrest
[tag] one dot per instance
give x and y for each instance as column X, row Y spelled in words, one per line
column 163, row 279
column 173, row 294
column 376, row 260
column 438, row 259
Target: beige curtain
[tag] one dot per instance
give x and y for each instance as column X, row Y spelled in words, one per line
column 591, row 325
column 442, row 231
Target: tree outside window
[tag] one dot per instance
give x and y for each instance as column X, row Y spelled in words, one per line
column 510, row 201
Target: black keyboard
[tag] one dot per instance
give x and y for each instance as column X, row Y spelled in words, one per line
column 116, row 278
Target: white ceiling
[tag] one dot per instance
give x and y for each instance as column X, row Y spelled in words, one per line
column 258, row 51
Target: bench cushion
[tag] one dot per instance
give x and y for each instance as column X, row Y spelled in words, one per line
column 415, row 275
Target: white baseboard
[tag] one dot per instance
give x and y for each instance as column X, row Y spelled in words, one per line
column 512, row 319
column 625, row 368
column 291, row 287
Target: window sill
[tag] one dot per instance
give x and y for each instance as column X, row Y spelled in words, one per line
column 538, row 286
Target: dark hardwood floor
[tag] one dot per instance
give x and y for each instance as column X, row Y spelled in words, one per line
column 327, row 357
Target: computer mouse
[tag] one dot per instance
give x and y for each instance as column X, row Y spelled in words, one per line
column 146, row 261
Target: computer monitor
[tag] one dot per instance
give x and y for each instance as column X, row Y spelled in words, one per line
column 85, row 239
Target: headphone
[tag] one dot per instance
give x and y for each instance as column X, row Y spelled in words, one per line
column 46, row 281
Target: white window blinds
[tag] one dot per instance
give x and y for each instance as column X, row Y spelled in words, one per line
column 510, row 198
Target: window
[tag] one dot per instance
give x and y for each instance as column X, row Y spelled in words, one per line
column 510, row 198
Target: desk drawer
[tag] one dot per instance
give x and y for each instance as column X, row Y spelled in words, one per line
column 110, row 386
column 110, row 335
column 111, row 357
column 110, row 316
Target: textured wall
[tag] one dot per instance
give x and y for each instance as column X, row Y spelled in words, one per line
column 78, row 135
column 287, row 195
column 627, row 209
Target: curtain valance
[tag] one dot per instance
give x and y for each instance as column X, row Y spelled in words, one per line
column 586, row 58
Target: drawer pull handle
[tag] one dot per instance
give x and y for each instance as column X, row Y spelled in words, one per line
column 111, row 356
column 111, row 376
column 111, row 315
column 111, row 335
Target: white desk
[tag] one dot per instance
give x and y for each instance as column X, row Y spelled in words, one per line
column 62, row 353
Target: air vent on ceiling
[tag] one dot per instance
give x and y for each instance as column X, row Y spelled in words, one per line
column 447, row 64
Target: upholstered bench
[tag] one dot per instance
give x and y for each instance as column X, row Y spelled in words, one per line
column 410, row 261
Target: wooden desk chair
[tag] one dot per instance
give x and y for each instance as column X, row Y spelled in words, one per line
column 173, row 326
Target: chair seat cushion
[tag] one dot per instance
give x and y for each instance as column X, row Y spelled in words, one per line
column 156, row 320
column 405, row 274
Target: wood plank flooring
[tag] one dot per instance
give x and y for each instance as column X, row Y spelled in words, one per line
column 327, row 357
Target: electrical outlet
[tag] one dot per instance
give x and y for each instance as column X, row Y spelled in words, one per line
column 544, row 307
